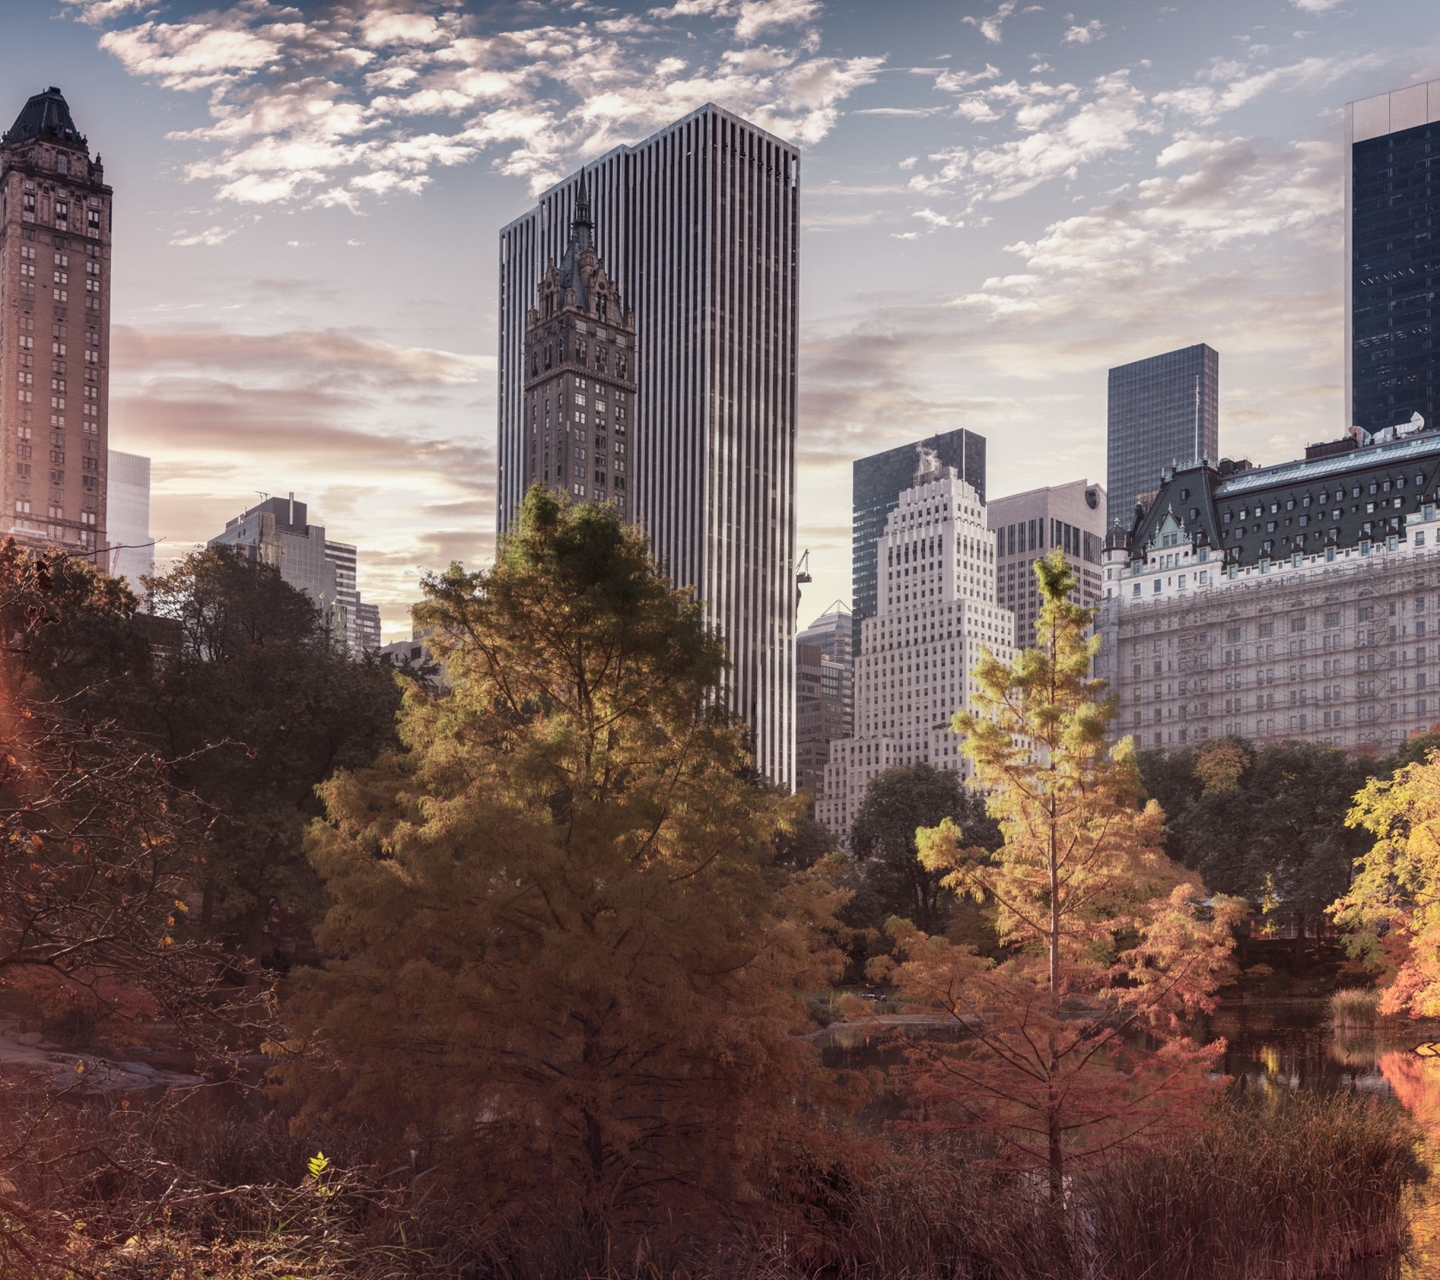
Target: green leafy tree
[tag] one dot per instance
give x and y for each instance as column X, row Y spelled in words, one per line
column 258, row 706
column 564, row 952
column 1075, row 1041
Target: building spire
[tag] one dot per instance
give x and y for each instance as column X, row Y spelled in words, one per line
column 582, row 228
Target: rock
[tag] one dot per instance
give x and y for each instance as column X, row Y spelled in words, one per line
column 29, row 1037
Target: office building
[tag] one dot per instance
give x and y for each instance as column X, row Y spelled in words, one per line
column 1163, row 411
column 1028, row 526
column 1392, row 205
column 127, row 503
column 935, row 612
column 824, row 693
column 579, row 370
column 877, row 482
column 367, row 627
column 697, row 229
column 277, row 533
column 54, row 347
column 1292, row 601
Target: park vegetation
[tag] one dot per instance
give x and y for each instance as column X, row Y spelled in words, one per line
column 512, row 975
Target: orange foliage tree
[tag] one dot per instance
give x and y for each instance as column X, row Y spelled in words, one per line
column 1076, row 1040
column 1392, row 911
column 565, row 956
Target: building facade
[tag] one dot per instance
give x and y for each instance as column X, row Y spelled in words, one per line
column 579, row 375
column 54, row 330
column 1030, row 525
column 824, row 694
column 1392, row 203
column 367, row 627
column 1162, row 411
column 698, row 229
column 936, row 611
column 1291, row 601
column 127, row 504
column 277, row 533
column 878, row 481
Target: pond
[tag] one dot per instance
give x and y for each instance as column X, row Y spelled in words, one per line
column 1272, row 1045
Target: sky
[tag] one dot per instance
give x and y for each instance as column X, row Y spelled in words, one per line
column 999, row 202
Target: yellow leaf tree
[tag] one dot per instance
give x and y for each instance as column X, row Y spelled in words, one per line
column 565, row 957
column 1077, row 1039
column 1392, row 911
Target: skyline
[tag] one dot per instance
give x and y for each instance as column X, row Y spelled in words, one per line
column 998, row 204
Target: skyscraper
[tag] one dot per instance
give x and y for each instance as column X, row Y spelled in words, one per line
column 127, row 505
column 54, row 349
column 697, row 227
column 1027, row 527
column 935, row 611
column 824, row 692
column 1392, row 202
column 877, row 482
column 579, row 375
column 1163, row 410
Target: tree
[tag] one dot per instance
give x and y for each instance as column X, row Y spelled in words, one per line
column 258, row 706
column 1266, row 824
column 1392, row 909
column 563, row 951
column 897, row 803
column 1074, row 1041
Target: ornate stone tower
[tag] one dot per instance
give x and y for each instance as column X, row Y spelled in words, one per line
column 579, row 398
column 54, row 330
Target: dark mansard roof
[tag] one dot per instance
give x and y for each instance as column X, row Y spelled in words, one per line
column 46, row 115
column 1230, row 512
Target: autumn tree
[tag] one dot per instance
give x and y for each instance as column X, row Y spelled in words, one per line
column 1392, row 909
column 1076, row 1039
column 564, row 953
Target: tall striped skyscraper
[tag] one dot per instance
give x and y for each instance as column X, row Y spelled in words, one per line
column 697, row 227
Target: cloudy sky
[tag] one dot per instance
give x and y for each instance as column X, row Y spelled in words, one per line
column 1000, row 201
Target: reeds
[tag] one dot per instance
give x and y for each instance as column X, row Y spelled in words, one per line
column 1355, row 1007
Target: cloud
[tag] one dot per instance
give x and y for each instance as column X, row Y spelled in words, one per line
column 1315, row 6
column 97, row 11
column 1087, row 34
column 210, row 236
column 369, row 99
column 990, row 27
column 367, row 431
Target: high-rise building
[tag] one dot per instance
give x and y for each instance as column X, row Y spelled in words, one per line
column 697, row 228
column 1289, row 601
column 1392, row 205
column 824, row 693
column 344, row 559
column 367, row 627
column 936, row 611
column 1030, row 525
column 276, row 532
column 127, row 504
column 54, row 349
column 877, row 482
column 579, row 375
column 1163, row 411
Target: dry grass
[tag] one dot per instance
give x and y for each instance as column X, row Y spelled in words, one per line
column 1295, row 1192
column 1355, row 1007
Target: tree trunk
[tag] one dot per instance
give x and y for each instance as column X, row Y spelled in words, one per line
column 1299, row 937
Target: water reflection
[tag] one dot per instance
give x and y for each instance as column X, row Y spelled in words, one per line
column 1272, row 1046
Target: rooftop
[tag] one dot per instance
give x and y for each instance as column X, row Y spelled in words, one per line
column 46, row 115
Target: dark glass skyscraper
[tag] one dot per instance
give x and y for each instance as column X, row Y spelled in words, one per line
column 1162, row 410
column 1393, row 203
column 698, row 228
column 878, row 482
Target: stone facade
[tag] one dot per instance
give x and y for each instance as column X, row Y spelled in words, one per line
column 936, row 612
column 54, row 330
column 1294, row 601
column 580, row 376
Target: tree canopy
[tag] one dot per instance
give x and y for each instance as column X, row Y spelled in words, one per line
column 563, row 949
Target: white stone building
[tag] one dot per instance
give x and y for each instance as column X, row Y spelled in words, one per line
column 936, row 612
